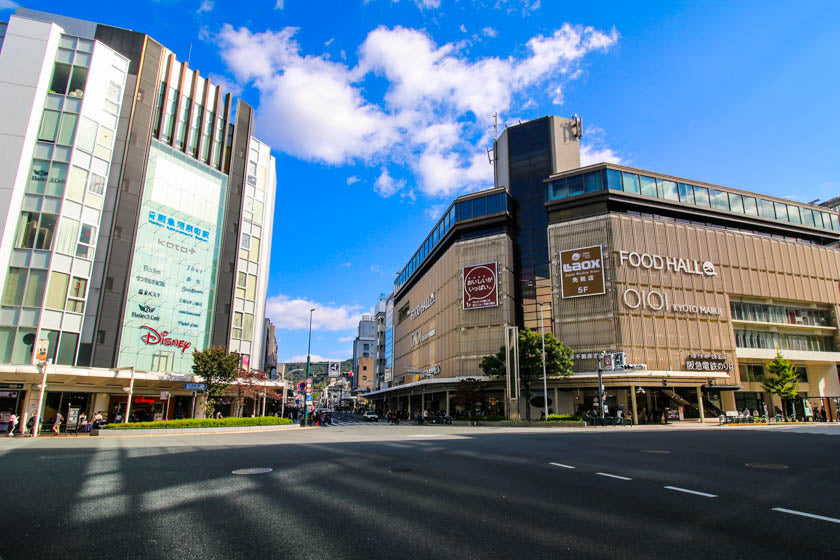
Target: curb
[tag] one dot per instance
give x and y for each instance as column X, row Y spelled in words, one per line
column 195, row 431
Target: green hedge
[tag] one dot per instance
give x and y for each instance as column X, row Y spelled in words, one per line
column 201, row 423
column 564, row 418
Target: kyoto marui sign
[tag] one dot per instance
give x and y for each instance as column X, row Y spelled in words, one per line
column 582, row 272
column 481, row 286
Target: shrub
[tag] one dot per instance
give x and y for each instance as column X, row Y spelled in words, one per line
column 564, row 418
column 201, row 423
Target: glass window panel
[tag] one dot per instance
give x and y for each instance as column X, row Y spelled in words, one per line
column 57, row 290
column 822, row 220
column 494, row 203
column 87, row 134
column 27, row 230
column 613, row 179
column 60, row 77
column 781, row 211
column 479, row 207
column 247, row 326
column 49, row 126
column 465, row 210
column 559, row 189
column 15, row 283
column 592, row 181
column 38, row 176
column 68, row 232
column 87, row 234
column 105, row 137
column 35, row 284
column 67, row 129
column 793, row 214
column 835, row 223
column 7, row 341
column 241, row 279
column 630, row 182
column 84, row 45
column 57, row 179
column 686, row 193
column 807, row 217
column 67, row 349
column 701, row 196
column 102, row 152
column 78, row 288
column 251, row 288
column 24, row 345
column 736, row 204
column 77, row 82
column 648, row 185
column 77, row 183
column 575, row 184
column 750, row 206
column 765, row 209
column 719, row 199
column 64, row 56
column 96, row 184
column 668, row 189
column 255, row 249
column 46, row 230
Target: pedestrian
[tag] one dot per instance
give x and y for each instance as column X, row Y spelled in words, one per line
column 57, row 424
column 218, row 415
column 13, row 420
column 118, row 418
column 823, row 415
column 30, row 425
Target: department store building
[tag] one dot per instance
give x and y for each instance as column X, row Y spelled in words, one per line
column 697, row 284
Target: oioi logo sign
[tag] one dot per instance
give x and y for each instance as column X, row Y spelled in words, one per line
column 481, row 286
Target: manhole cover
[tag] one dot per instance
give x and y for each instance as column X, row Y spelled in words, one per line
column 768, row 466
column 399, row 470
column 655, row 451
column 258, row 470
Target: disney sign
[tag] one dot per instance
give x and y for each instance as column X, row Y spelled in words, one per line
column 481, row 288
column 153, row 337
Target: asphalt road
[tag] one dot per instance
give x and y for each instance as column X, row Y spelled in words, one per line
column 377, row 491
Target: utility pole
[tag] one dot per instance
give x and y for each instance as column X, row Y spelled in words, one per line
column 601, row 384
column 545, row 379
column 308, row 361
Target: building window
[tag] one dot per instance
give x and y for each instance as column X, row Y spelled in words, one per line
column 251, row 289
column 77, row 184
column 751, row 373
column 801, row 374
column 36, row 282
column 77, row 82
column 247, row 326
column 237, row 325
column 15, row 283
column 87, row 134
column 67, row 130
column 49, row 126
column 57, row 291
column 76, row 296
column 35, row 231
column 38, row 176
column 60, row 77
column 87, row 239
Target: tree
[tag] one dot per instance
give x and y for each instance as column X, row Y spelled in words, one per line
column 782, row 380
column 469, row 392
column 558, row 361
column 218, row 369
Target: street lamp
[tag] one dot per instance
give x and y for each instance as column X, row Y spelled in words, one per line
column 308, row 360
column 545, row 380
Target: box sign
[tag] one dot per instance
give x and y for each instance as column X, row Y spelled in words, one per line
column 481, row 286
column 582, row 272
column 172, row 283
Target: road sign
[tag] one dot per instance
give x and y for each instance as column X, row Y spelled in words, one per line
column 164, row 395
column 195, row 386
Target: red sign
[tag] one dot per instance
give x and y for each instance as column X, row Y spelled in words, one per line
column 481, row 286
column 153, row 337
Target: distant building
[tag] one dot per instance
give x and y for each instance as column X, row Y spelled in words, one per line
column 269, row 361
column 379, row 356
column 364, row 346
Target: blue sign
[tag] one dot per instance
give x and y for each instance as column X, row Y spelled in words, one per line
column 195, row 386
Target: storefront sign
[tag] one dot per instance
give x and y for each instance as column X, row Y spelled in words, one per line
column 11, row 385
column 430, row 372
column 422, row 306
column 417, row 337
column 658, row 300
column 481, row 286
column 153, row 337
column 195, row 386
column 699, row 361
column 144, row 400
column 8, row 394
column 581, row 272
column 671, row 264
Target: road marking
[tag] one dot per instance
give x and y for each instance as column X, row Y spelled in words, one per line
column 562, row 465
column 804, row 514
column 613, row 476
column 425, row 435
column 687, row 491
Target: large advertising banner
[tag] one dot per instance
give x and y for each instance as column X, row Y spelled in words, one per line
column 581, row 272
column 173, row 272
column 481, row 286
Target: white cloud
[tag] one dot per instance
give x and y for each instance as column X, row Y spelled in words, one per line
column 463, row 28
column 427, row 4
column 8, row 5
column 352, row 179
column 590, row 155
column 376, row 269
column 347, row 339
column 434, row 120
column 206, row 6
column 227, row 85
column 347, row 264
column 489, row 32
column 329, row 42
column 278, row 5
column 385, row 184
column 293, row 313
column 435, row 211
column 301, row 358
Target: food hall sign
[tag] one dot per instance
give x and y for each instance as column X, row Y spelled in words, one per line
column 481, row 286
column 671, row 264
column 582, row 272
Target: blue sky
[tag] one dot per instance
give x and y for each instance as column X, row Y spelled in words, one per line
column 380, row 112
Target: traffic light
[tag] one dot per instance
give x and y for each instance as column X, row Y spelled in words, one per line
column 349, row 374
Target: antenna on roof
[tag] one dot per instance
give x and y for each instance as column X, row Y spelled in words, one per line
column 491, row 152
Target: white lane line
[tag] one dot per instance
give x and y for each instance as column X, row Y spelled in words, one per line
column 687, row 491
column 804, row 514
column 613, row 476
column 562, row 465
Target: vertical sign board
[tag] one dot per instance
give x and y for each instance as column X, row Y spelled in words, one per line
column 582, row 272
column 334, row 369
column 481, row 286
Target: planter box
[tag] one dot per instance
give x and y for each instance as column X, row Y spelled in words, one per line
column 513, row 424
column 180, row 431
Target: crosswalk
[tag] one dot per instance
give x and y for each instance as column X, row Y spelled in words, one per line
column 347, row 419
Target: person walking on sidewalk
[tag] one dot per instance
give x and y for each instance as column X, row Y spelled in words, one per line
column 13, row 420
column 57, row 425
